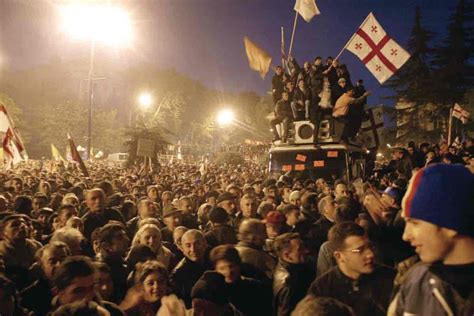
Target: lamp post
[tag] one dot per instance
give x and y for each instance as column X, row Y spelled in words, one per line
column 97, row 24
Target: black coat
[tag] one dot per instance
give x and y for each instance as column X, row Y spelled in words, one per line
column 317, row 235
column 93, row 220
column 290, row 285
column 221, row 235
column 370, row 295
column 37, row 298
column 184, row 276
column 251, row 297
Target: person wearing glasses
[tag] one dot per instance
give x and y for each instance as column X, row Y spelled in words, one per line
column 356, row 280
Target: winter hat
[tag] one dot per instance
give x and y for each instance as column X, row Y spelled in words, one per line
column 442, row 195
column 211, row 287
column 394, row 193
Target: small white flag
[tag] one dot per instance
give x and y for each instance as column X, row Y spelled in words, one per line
column 307, row 9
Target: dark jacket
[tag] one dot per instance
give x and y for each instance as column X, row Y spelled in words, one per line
column 220, row 235
column 424, row 292
column 251, row 297
column 277, row 87
column 302, row 96
column 317, row 235
column 37, row 297
column 93, row 220
column 290, row 284
column 283, row 109
column 370, row 295
column 184, row 276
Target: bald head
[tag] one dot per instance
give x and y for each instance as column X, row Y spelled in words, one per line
column 193, row 244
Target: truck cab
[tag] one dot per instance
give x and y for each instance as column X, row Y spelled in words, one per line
column 329, row 159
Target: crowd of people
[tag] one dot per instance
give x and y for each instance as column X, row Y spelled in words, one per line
column 233, row 240
column 314, row 92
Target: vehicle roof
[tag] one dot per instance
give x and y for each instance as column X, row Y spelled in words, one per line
column 311, row 147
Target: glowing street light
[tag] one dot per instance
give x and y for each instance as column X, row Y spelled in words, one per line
column 225, row 117
column 145, row 100
column 95, row 23
column 100, row 23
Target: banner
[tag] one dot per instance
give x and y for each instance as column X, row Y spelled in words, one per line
column 259, row 60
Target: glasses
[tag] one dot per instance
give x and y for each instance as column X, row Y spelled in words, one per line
column 362, row 249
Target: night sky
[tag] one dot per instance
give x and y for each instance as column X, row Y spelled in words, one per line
column 203, row 38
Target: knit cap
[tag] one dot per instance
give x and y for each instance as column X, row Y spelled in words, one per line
column 442, row 194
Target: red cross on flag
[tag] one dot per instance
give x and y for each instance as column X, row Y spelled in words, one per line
column 372, row 130
column 11, row 141
column 380, row 54
column 461, row 114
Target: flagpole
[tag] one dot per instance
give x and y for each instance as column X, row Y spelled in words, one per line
column 450, row 124
column 345, row 46
column 292, row 35
column 283, row 49
column 352, row 37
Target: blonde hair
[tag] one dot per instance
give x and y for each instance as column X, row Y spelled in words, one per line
column 141, row 231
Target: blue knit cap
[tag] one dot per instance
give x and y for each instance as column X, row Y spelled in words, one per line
column 443, row 195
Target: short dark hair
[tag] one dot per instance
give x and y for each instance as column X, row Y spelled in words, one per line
column 290, row 207
column 225, row 252
column 71, row 268
column 340, row 232
column 107, row 233
column 282, row 242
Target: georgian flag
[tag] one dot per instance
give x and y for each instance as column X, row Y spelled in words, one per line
column 380, row 53
column 11, row 142
column 461, row 114
column 372, row 130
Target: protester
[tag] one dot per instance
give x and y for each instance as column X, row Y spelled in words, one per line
column 242, row 214
column 441, row 228
column 356, row 280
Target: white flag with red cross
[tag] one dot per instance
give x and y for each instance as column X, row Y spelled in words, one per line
column 372, row 131
column 461, row 114
column 380, row 53
column 11, row 141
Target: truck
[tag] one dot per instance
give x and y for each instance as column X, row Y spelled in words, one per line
column 327, row 159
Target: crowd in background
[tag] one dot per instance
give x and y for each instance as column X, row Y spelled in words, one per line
column 204, row 239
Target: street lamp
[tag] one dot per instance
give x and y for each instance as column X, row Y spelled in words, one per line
column 145, row 100
column 225, row 117
column 96, row 23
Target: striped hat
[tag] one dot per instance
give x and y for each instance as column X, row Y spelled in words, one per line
column 442, row 194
